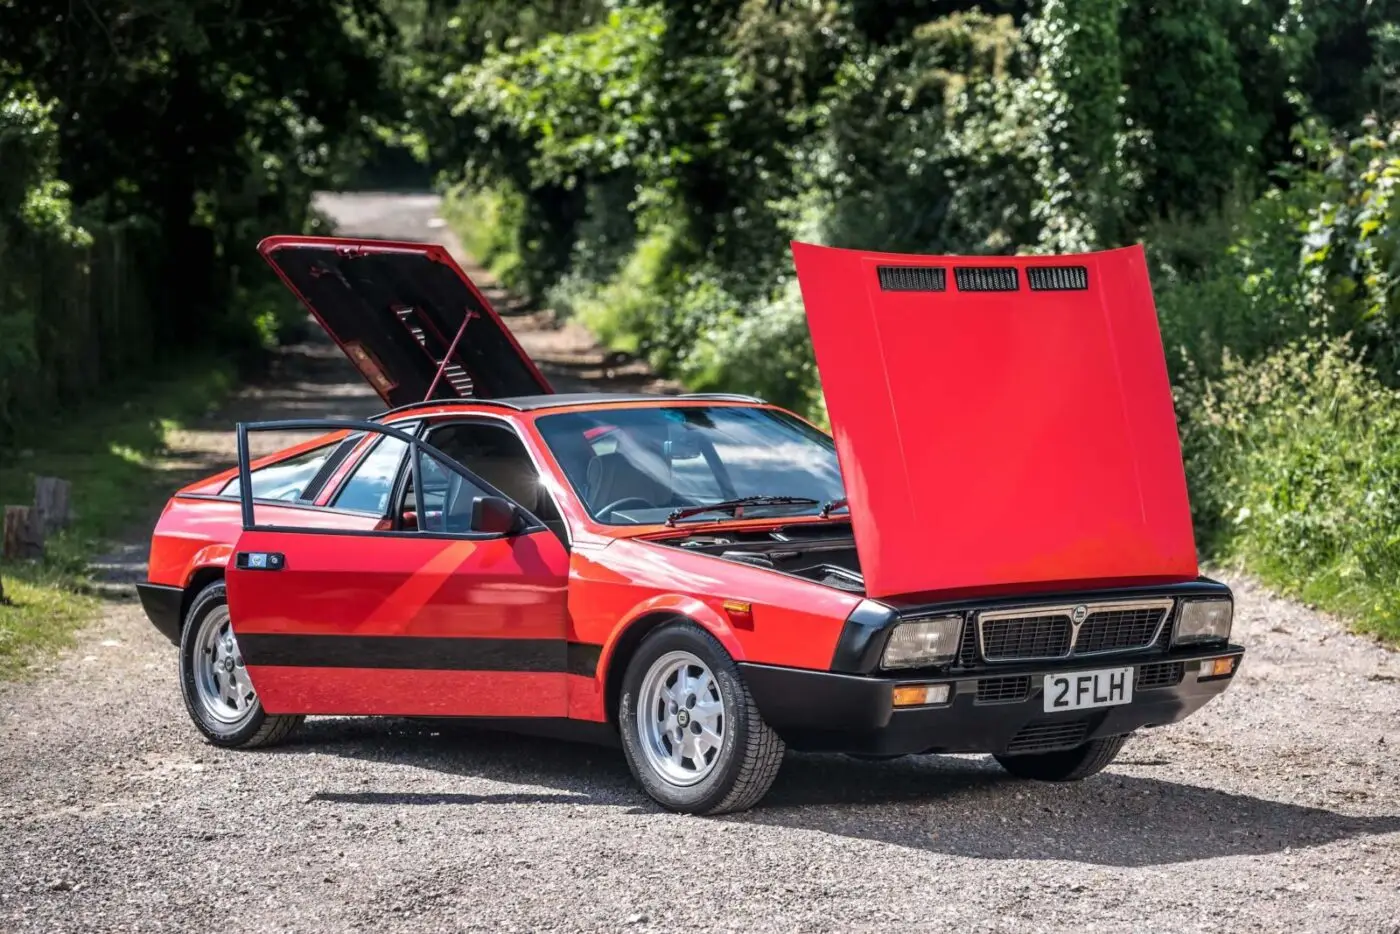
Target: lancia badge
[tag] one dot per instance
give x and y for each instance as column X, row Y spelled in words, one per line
column 1080, row 614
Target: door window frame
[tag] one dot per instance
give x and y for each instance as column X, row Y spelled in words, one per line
column 428, row 426
column 416, row 447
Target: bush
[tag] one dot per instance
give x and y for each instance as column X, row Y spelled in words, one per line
column 644, row 164
column 1294, row 464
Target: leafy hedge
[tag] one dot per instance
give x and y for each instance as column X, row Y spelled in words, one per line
column 642, row 165
column 1294, row 463
column 147, row 146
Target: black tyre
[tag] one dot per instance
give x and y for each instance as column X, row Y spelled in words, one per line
column 1066, row 765
column 690, row 730
column 218, row 693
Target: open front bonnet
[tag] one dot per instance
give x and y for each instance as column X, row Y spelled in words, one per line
column 1000, row 421
column 407, row 316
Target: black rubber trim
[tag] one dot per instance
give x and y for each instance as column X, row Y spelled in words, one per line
column 583, row 659
column 162, row 604
column 419, row 653
column 562, row 400
column 863, row 637
column 797, row 697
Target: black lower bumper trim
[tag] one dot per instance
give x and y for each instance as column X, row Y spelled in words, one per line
column 163, row 604
column 832, row 712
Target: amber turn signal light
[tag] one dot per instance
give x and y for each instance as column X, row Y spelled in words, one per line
column 920, row 695
column 1218, row 667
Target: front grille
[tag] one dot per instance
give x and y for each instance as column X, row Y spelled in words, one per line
column 1050, row 735
column 1110, row 630
column 1049, row 631
column 1044, row 636
column 1003, row 690
column 1164, row 638
column 967, row 651
column 1160, row 675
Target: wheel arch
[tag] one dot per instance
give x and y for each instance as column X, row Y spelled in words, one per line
column 644, row 620
column 201, row 578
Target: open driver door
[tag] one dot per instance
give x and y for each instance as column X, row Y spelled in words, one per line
column 434, row 595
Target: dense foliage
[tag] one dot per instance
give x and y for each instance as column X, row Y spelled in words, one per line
column 145, row 147
column 643, row 164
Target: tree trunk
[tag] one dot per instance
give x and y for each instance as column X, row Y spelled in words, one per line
column 51, row 503
column 23, row 536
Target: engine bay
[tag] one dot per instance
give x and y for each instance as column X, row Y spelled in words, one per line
column 821, row 552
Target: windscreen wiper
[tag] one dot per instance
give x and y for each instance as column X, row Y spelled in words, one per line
column 736, row 506
column 832, row 505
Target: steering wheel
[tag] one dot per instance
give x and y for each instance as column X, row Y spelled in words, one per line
column 619, row 503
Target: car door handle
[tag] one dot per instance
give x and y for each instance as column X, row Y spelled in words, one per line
column 260, row 560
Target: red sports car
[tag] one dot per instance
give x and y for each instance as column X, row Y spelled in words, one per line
column 991, row 553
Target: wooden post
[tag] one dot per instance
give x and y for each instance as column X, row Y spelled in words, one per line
column 51, row 503
column 23, row 536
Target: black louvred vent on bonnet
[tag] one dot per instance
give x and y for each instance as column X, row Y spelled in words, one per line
column 912, row 278
column 1057, row 278
column 986, row 278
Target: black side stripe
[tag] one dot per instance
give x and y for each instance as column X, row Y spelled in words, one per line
column 420, row 653
column 583, row 659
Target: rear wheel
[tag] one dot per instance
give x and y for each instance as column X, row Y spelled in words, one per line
column 1066, row 765
column 692, row 735
column 218, row 693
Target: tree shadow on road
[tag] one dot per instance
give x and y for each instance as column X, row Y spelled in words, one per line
column 958, row 806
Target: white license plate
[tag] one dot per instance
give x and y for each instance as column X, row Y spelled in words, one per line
column 1080, row 690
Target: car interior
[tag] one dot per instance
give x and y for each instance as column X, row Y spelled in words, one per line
column 498, row 456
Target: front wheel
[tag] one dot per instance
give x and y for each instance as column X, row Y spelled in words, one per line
column 218, row 693
column 1066, row 765
column 692, row 735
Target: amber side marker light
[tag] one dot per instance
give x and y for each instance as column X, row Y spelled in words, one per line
column 1217, row 667
column 921, row 695
column 739, row 613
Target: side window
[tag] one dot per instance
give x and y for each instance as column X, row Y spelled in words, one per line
column 371, row 483
column 286, row 480
column 445, row 502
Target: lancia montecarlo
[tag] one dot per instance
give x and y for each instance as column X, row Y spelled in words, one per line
column 991, row 551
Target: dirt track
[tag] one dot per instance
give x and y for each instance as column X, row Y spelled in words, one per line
column 1277, row 808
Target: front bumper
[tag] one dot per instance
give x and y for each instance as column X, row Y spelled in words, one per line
column 832, row 712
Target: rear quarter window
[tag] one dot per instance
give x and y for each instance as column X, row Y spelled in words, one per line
column 287, row 480
column 371, row 483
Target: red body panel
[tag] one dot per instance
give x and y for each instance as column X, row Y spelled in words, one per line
column 486, row 594
column 408, row 693
column 794, row 622
column 195, row 533
column 1000, row 438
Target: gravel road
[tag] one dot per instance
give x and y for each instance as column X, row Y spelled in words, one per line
column 1276, row 808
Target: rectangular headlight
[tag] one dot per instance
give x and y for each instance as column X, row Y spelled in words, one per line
column 1204, row 621
column 923, row 642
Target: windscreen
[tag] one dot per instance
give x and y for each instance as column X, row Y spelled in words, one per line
column 635, row 466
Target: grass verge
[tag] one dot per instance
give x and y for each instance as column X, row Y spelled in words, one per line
column 110, row 452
